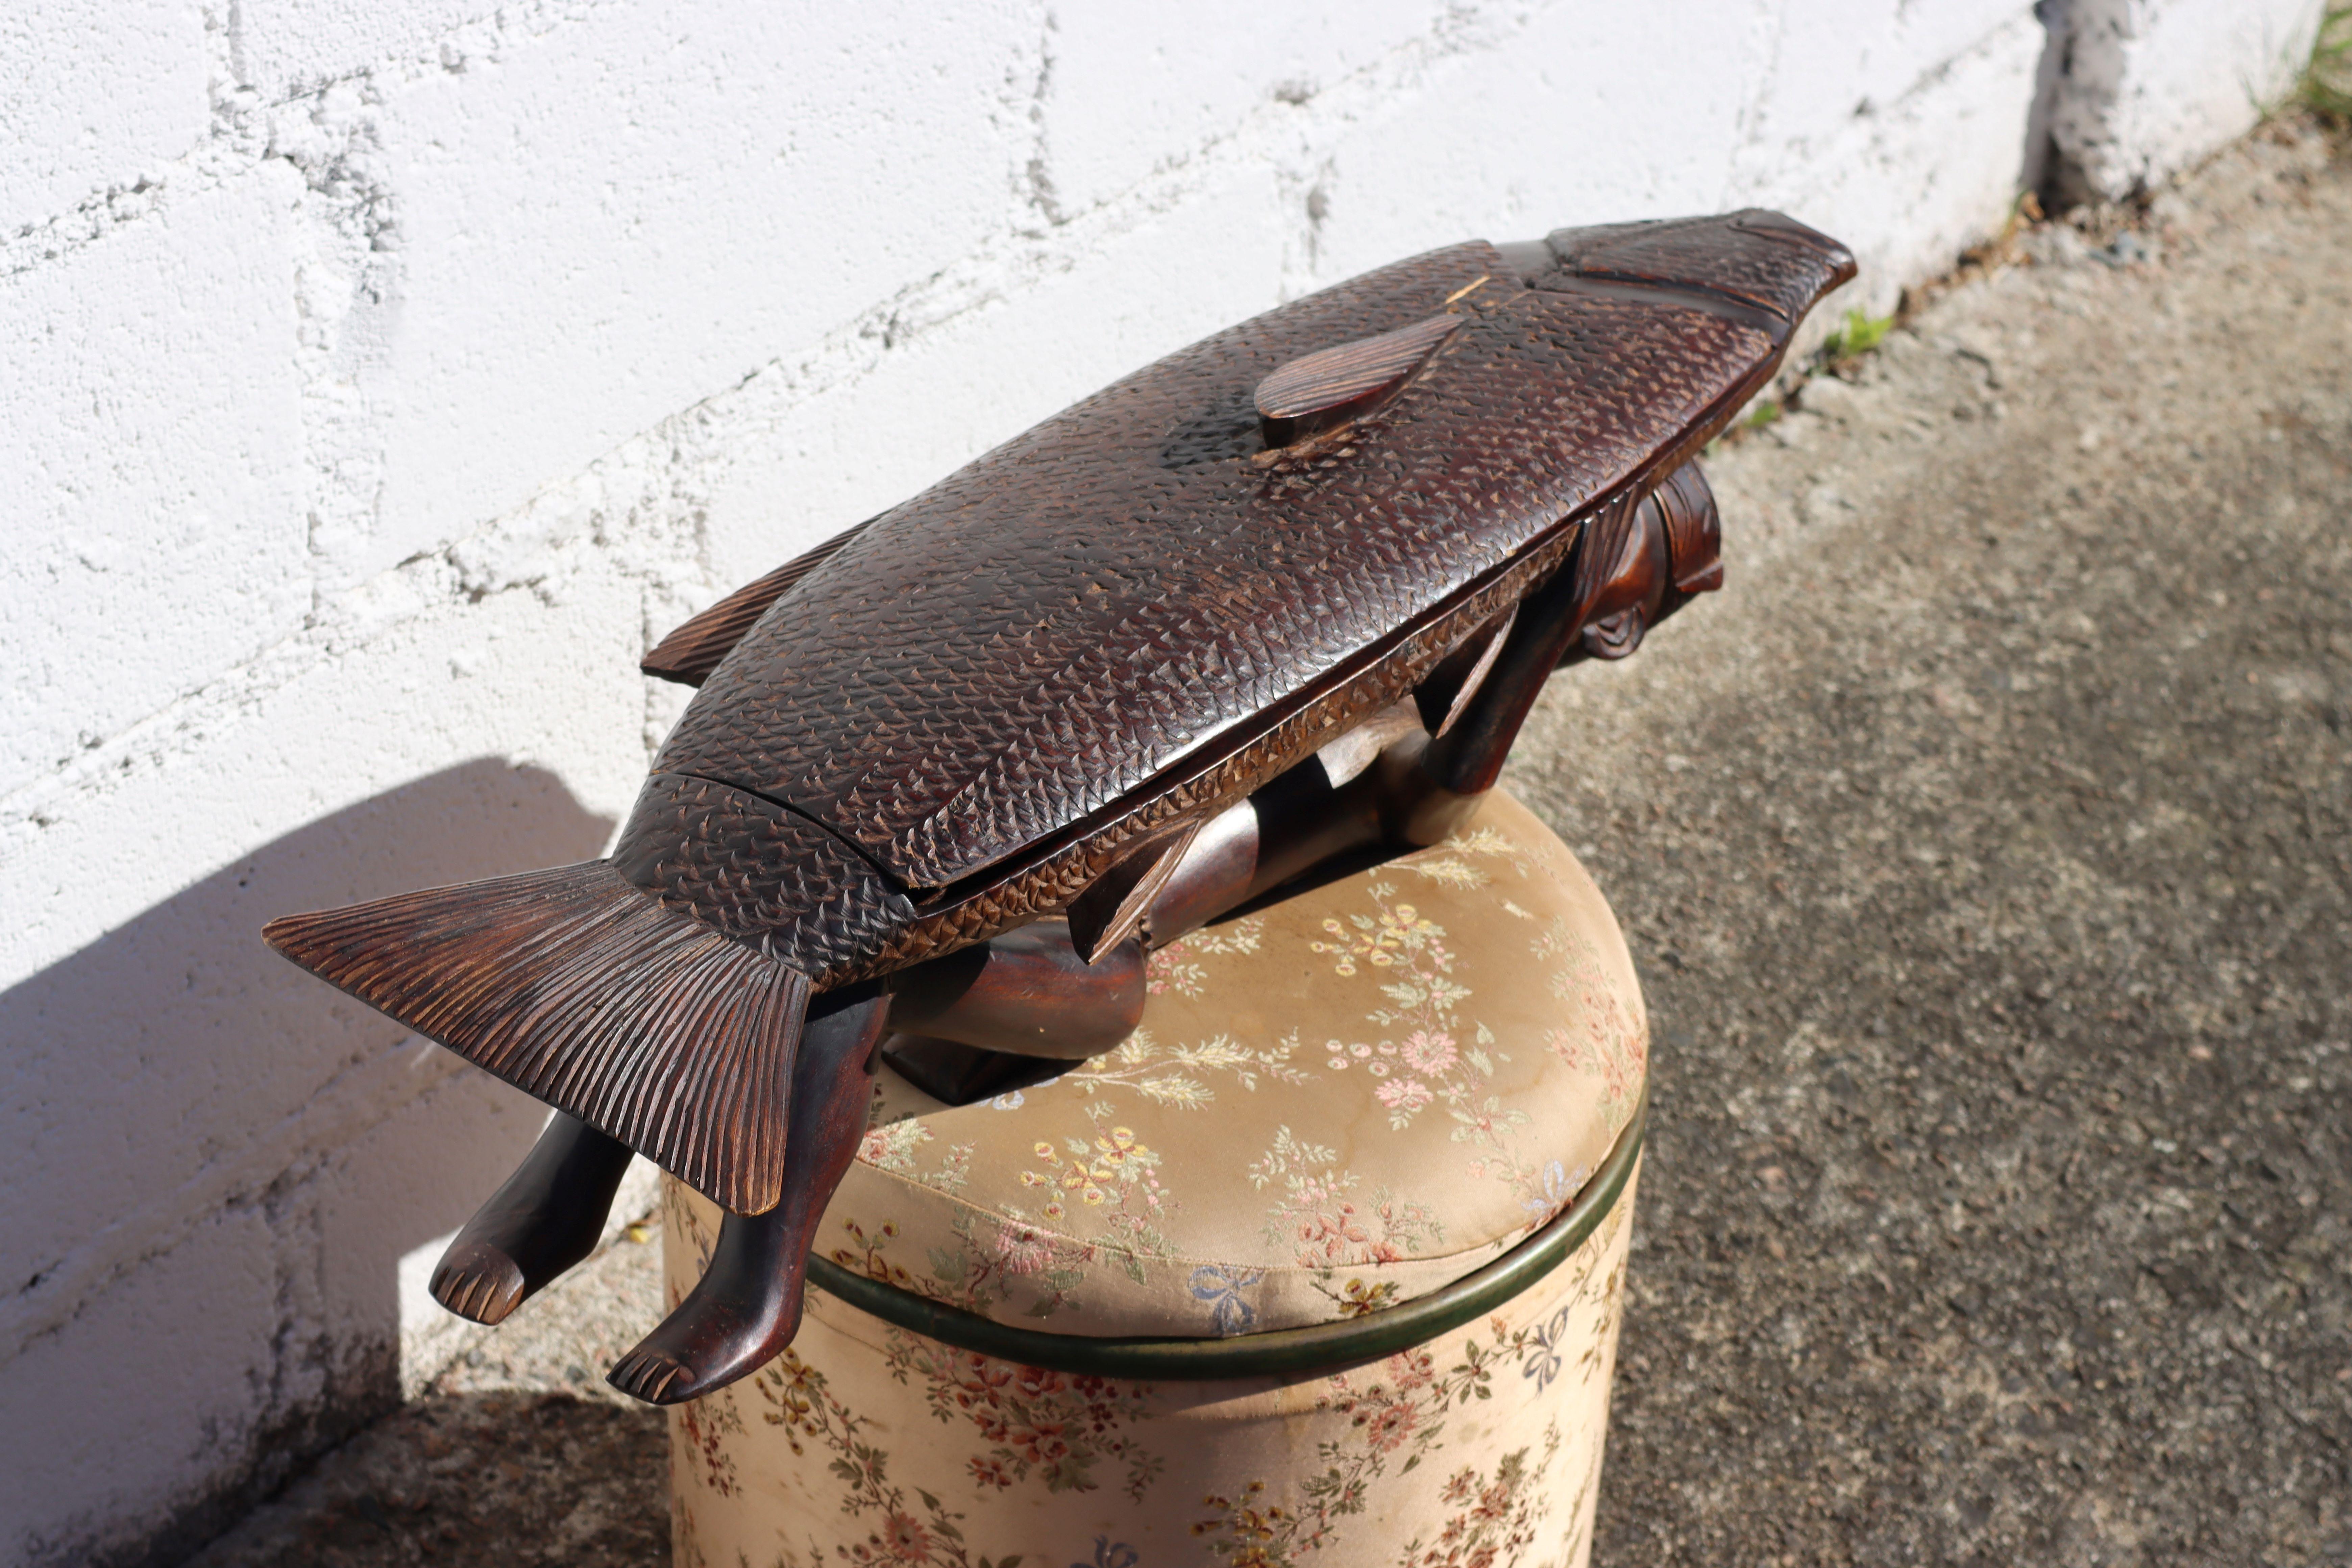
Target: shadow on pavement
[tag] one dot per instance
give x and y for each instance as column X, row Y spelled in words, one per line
column 482, row 1480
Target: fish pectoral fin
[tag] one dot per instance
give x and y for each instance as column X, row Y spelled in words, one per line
column 690, row 653
column 1446, row 690
column 1329, row 386
column 1113, row 907
column 585, row 991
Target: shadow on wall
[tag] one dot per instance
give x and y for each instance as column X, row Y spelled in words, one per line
column 2042, row 168
column 213, row 1164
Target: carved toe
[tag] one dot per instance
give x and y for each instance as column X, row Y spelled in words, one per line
column 654, row 1377
column 482, row 1288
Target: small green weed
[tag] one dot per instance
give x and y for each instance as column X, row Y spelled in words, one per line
column 2327, row 80
column 1861, row 333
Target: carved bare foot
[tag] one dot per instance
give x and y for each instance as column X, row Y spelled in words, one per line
column 739, row 1316
column 543, row 1220
column 747, row 1306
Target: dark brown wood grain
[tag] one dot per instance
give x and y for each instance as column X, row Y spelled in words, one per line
column 1216, row 873
column 1317, row 392
column 1445, row 692
column 580, row 990
column 1030, row 992
column 1104, row 671
column 956, row 1074
column 542, row 1219
column 690, row 653
column 1114, row 904
column 747, row 1306
column 1069, row 620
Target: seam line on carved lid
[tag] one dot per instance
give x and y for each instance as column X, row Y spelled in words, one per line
column 1778, row 225
column 805, row 815
column 1688, row 296
column 1193, row 764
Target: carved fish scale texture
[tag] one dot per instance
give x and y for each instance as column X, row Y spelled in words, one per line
column 1755, row 255
column 1028, row 588
column 1050, row 880
column 860, row 948
column 1045, row 631
column 755, row 872
column 1431, row 494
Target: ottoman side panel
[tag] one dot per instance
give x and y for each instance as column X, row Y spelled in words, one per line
column 866, row 1443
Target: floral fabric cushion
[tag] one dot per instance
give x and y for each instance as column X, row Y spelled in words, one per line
column 865, row 1443
column 1338, row 1104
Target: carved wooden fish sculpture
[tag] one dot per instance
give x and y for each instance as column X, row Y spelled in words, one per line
column 1036, row 687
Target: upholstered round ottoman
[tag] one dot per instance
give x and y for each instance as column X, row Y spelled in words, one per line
column 1323, row 1264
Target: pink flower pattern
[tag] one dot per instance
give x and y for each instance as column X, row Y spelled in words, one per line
column 951, row 1477
column 1430, row 1051
column 1110, row 1189
column 1406, row 1094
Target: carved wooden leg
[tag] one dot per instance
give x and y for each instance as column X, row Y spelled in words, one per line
column 747, row 1306
column 1304, row 821
column 1400, row 785
column 1005, row 1014
column 1633, row 568
column 1026, row 990
column 545, row 1218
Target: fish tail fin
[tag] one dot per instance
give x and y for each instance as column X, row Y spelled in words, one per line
column 584, row 991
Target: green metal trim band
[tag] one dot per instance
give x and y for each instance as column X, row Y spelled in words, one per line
column 1277, row 1352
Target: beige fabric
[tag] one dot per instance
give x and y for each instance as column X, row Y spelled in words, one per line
column 1345, row 1102
column 864, row 1444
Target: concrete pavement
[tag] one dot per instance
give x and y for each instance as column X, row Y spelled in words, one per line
column 1988, row 852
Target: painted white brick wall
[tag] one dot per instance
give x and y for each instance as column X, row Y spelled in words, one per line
column 81, row 119
column 384, row 377
column 187, row 456
column 2150, row 87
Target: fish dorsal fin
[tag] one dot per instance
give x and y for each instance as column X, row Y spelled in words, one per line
column 690, row 653
column 1113, row 907
column 1329, row 386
